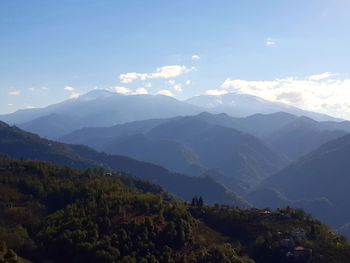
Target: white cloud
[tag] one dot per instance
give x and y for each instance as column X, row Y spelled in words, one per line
column 165, row 72
column 69, row 88
column 14, row 93
column 44, row 88
column 141, row 91
column 31, row 89
column 188, row 82
column 148, row 85
column 178, row 87
column 73, row 94
column 322, row 92
column 171, row 82
column 215, row 92
column 10, row 104
column 131, row 76
column 195, row 57
column 325, row 75
column 270, row 42
column 122, row 90
column 165, row 92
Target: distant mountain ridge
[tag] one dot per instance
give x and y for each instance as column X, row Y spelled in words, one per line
column 301, row 136
column 100, row 108
column 95, row 109
column 243, row 105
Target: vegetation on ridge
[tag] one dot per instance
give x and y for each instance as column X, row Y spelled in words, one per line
column 59, row 214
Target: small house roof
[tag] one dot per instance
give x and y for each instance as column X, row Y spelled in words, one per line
column 299, row 248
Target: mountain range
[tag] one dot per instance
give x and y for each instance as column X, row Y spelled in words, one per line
column 239, row 152
column 193, row 145
column 104, row 108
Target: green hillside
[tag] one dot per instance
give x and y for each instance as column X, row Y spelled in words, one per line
column 54, row 214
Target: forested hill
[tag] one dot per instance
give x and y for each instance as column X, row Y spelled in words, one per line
column 54, row 214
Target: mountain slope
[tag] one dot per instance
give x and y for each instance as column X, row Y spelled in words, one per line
column 235, row 154
column 54, row 125
column 322, row 173
column 16, row 143
column 101, row 137
column 170, row 154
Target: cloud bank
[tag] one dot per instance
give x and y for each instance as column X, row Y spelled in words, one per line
column 326, row 92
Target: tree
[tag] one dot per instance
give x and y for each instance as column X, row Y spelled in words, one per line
column 200, row 201
column 194, row 201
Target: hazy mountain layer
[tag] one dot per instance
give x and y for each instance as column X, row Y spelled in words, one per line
column 191, row 145
column 103, row 108
column 324, row 173
column 97, row 108
column 242, row 105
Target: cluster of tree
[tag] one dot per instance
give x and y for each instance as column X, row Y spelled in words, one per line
column 7, row 255
column 197, row 201
column 57, row 214
column 284, row 235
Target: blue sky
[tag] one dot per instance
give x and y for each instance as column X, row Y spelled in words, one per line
column 53, row 50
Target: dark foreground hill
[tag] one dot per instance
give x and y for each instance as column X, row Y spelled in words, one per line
column 54, row 214
column 19, row 144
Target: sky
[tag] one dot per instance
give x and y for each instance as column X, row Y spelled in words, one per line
column 292, row 51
